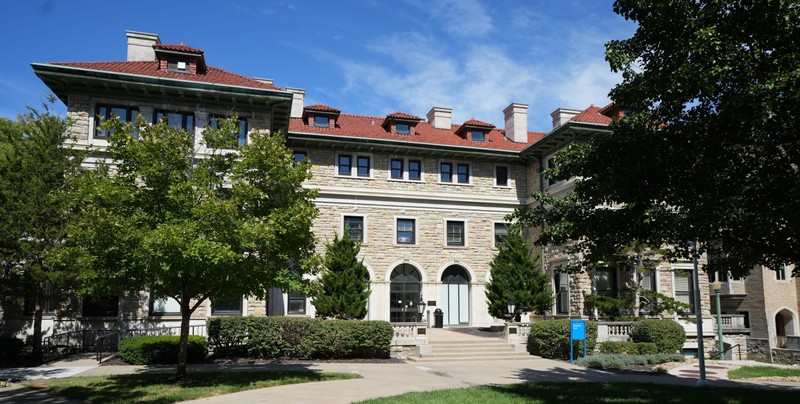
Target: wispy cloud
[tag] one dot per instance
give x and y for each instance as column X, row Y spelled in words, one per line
column 459, row 18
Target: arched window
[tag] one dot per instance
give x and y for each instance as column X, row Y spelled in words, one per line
column 404, row 293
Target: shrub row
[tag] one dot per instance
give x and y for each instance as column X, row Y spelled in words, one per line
column 293, row 337
column 10, row 348
column 160, row 349
column 627, row 348
column 611, row 361
column 550, row 339
column 668, row 335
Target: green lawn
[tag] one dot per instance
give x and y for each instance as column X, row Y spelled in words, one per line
column 746, row 372
column 591, row 392
column 163, row 388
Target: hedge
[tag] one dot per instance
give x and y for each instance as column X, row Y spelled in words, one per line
column 550, row 339
column 160, row 349
column 10, row 348
column 627, row 348
column 300, row 337
column 612, row 361
column 668, row 335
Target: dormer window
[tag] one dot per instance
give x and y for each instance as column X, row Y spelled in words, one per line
column 177, row 65
column 402, row 129
column 477, row 136
column 474, row 130
column 322, row 121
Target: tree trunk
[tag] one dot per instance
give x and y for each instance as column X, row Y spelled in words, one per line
column 183, row 344
column 37, row 332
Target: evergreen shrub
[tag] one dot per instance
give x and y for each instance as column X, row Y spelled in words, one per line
column 150, row 350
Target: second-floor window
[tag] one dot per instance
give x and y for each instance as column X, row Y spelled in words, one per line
column 414, row 170
column 177, row 120
column 397, row 169
column 402, row 169
column 354, row 165
column 240, row 135
column 104, row 112
column 298, row 157
column 500, row 234
column 463, row 173
column 501, row 176
column 683, row 287
column 354, row 227
column 455, row 233
column 780, row 274
column 406, row 231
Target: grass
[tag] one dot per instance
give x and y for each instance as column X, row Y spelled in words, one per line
column 164, row 388
column 591, row 392
column 747, row 372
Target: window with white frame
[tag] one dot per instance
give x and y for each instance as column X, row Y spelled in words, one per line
column 561, row 285
column 240, row 134
column 227, row 306
column 165, row 306
column 299, row 156
column 105, row 112
column 405, row 169
column 415, row 170
column 177, row 120
column 353, row 226
column 500, row 234
column 551, row 164
column 453, row 172
column 501, row 176
column 780, row 274
column 296, row 303
column 683, row 290
column 406, row 231
column 396, row 169
column 354, row 165
column 456, row 233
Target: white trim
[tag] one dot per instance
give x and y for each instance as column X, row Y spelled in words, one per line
column 363, row 217
column 787, row 275
column 422, row 273
column 508, row 176
column 416, row 231
column 473, row 279
column 492, row 232
column 454, row 172
column 444, row 234
column 354, row 165
column 406, row 172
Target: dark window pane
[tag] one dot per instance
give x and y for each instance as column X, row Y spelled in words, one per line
column 405, row 231
column 500, row 233
column 446, row 172
column 403, row 128
column 363, row 166
column 414, row 170
column 299, row 156
column 296, row 303
column 477, row 136
column 354, row 226
column 344, row 165
column 229, row 306
column 455, row 233
column 101, row 306
column 404, row 293
column 463, row 173
column 501, row 176
column 322, row 121
column 397, row 168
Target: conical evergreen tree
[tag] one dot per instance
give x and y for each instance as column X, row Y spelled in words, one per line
column 344, row 286
column 517, row 277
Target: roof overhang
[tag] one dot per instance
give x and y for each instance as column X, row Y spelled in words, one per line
column 65, row 80
column 560, row 137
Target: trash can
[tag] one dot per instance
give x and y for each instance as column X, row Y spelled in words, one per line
column 438, row 318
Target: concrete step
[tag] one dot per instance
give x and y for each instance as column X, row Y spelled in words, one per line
column 479, row 358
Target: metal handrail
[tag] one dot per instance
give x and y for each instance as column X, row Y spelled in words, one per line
column 717, row 354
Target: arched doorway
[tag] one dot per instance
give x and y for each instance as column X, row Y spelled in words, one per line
column 784, row 325
column 404, row 293
column 455, row 295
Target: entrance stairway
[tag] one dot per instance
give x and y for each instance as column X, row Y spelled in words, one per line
column 448, row 345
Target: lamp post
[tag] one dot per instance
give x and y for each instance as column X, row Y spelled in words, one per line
column 511, row 310
column 698, row 310
column 421, row 307
column 717, row 286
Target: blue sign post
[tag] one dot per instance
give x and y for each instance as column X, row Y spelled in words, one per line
column 577, row 330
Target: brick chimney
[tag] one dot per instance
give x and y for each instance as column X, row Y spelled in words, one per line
column 140, row 46
column 440, row 117
column 298, row 98
column 563, row 115
column 516, row 118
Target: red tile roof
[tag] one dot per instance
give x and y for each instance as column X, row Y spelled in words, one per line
column 178, row 48
column 322, row 108
column 592, row 115
column 370, row 127
column 480, row 124
column 150, row 68
column 403, row 116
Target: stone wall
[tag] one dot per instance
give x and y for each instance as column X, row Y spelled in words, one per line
column 758, row 349
column 786, row 356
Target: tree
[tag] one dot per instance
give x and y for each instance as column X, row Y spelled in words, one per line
column 36, row 169
column 707, row 153
column 344, row 286
column 191, row 227
column 517, row 277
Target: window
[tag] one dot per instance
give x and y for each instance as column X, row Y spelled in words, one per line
column 296, row 303
column 780, row 274
column 49, row 302
column 605, row 281
column 227, row 306
column 107, row 306
column 104, row 112
column 455, row 233
column 683, row 287
column 363, row 166
column 354, row 227
column 718, row 276
column 561, row 283
column 166, row 306
column 500, row 234
column 299, row 156
column 345, row 164
column 405, row 231
column 402, row 129
column 463, row 173
column 446, row 172
column 501, row 176
column 177, row 120
column 647, row 299
column 177, row 65
column 396, row 168
column 240, row 135
column 405, row 290
column 550, row 165
column 321, row 121
column 414, row 170
column 477, row 136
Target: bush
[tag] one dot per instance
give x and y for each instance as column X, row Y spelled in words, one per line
column 300, row 337
column 627, row 348
column 613, row 361
column 667, row 335
column 160, row 350
column 10, row 348
column 550, row 339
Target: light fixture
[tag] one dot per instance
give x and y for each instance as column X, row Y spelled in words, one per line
column 511, row 309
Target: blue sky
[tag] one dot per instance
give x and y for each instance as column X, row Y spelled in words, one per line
column 362, row 56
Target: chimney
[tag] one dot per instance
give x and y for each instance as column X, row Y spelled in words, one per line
column 516, row 117
column 298, row 96
column 140, row 46
column 563, row 115
column 440, row 117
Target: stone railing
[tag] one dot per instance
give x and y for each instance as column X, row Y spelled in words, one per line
column 409, row 334
column 731, row 322
column 613, row 330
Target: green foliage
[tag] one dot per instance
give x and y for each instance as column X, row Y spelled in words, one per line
column 151, row 350
column 344, row 285
column 550, row 339
column 615, row 361
column 10, row 347
column 746, row 372
column 297, row 337
column 517, row 277
column 659, row 303
column 706, row 150
column 192, row 227
column 627, row 348
column 609, row 307
column 668, row 335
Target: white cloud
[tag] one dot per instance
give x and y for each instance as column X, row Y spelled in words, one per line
column 459, row 18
